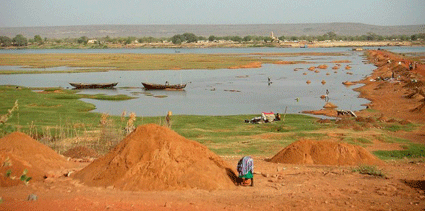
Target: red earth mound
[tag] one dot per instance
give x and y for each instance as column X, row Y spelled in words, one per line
column 19, row 151
column 156, row 158
column 325, row 153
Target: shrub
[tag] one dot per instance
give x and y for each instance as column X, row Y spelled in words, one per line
column 370, row 170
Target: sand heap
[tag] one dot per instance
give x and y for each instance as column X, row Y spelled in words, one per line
column 325, row 153
column 156, row 158
column 19, row 151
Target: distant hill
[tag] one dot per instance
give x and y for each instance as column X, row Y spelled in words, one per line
column 93, row 31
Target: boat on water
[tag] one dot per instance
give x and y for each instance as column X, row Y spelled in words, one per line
column 165, row 86
column 93, row 86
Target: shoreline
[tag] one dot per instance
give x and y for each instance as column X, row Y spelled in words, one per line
column 390, row 98
column 231, row 44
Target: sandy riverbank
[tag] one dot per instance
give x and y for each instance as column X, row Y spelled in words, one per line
column 389, row 96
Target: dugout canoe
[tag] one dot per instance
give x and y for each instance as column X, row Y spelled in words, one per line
column 164, row 86
column 93, row 86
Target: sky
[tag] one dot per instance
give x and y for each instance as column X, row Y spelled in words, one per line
column 27, row 13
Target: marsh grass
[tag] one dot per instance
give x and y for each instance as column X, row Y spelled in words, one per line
column 59, row 119
column 127, row 61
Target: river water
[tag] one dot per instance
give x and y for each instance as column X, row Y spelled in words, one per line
column 218, row 92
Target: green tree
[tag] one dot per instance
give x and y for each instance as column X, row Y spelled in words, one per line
column 177, row 39
column 211, row 38
column 20, row 40
column 236, row 39
column 404, row 37
column 5, row 41
column 130, row 40
column 267, row 39
column 190, row 37
column 371, row 36
column 331, row 35
column 83, row 40
column 247, row 38
column 58, row 41
column 282, row 38
column 293, row 38
column 38, row 39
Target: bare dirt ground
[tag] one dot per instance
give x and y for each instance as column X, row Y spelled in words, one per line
column 277, row 186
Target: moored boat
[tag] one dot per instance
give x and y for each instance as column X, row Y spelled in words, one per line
column 93, row 86
column 165, row 86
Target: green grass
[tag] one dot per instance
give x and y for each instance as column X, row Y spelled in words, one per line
column 55, row 112
column 49, row 108
column 369, row 170
column 392, row 139
column 60, row 115
column 412, row 151
column 363, row 142
column 231, row 135
column 398, row 127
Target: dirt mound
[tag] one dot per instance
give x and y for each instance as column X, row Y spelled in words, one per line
column 322, row 66
column 325, row 153
column 19, row 151
column 330, row 105
column 81, row 152
column 348, row 83
column 156, row 158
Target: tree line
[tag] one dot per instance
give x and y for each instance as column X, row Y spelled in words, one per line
column 19, row 40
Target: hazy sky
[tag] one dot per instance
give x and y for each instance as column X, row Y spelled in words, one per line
column 16, row 13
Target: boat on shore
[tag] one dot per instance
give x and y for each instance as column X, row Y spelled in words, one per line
column 93, row 86
column 165, row 86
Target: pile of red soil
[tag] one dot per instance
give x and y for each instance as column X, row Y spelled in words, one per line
column 325, row 153
column 156, row 158
column 330, row 105
column 19, row 151
column 81, row 152
column 322, row 66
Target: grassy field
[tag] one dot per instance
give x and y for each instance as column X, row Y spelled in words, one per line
column 59, row 119
column 98, row 62
column 103, row 62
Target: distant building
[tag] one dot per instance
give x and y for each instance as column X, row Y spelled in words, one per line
column 91, row 41
column 273, row 38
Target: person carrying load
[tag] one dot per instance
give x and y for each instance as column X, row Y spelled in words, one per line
column 246, row 169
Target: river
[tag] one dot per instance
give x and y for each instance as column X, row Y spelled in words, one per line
column 222, row 91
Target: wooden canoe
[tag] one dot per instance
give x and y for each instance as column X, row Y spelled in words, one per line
column 164, row 86
column 93, row 86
